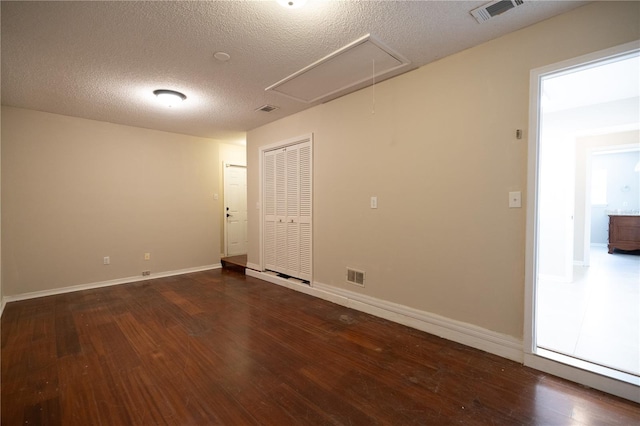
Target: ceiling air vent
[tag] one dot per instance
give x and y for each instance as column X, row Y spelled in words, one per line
column 267, row 108
column 493, row 9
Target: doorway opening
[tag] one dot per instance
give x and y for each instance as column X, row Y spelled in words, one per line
column 583, row 321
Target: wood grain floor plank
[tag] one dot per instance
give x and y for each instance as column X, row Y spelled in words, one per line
column 34, row 386
column 67, row 341
column 77, row 405
column 119, row 353
column 43, row 413
column 182, row 302
column 302, row 410
column 248, row 380
column 217, row 347
column 289, row 363
column 136, row 334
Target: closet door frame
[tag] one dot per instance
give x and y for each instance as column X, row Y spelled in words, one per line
column 307, row 138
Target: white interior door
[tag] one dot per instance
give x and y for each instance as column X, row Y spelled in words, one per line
column 235, row 200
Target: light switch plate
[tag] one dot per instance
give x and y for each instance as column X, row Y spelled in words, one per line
column 515, row 199
column 374, row 202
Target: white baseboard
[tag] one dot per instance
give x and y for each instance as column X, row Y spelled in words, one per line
column 553, row 278
column 624, row 389
column 89, row 286
column 457, row 331
column 254, row 266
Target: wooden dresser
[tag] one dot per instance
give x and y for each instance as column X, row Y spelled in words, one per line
column 624, row 232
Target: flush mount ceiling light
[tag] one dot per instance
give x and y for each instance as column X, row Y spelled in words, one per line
column 222, row 56
column 292, row 4
column 170, row 98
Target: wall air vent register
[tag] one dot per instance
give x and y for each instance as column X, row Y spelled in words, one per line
column 355, row 277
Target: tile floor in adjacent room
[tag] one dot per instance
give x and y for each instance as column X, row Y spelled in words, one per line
column 597, row 316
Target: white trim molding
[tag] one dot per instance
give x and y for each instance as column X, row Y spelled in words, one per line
column 261, row 153
column 569, row 368
column 624, row 387
column 254, row 266
column 118, row 281
column 467, row 334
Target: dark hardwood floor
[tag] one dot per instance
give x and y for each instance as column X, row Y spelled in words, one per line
column 218, row 347
column 236, row 263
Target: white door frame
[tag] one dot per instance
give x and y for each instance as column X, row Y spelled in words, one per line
column 532, row 355
column 586, row 243
column 262, row 150
column 225, row 165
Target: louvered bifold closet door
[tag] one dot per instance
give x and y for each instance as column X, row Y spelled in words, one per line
column 288, row 210
column 281, row 211
column 293, row 211
column 269, row 238
column 305, row 172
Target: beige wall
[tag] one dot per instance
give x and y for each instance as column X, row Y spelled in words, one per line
column 76, row 190
column 233, row 154
column 440, row 154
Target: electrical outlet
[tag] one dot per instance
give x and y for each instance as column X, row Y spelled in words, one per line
column 146, row 273
column 106, row 260
column 147, row 256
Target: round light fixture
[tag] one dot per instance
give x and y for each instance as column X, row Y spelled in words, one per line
column 170, row 98
column 222, row 56
column 292, row 4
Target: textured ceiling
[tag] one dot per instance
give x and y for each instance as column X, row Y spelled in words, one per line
column 102, row 60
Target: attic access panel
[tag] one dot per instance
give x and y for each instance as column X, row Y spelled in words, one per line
column 345, row 68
